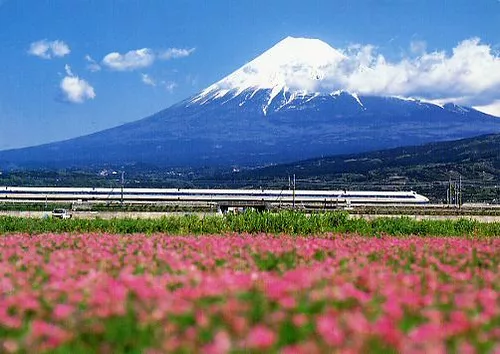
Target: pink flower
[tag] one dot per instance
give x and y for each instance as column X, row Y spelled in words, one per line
column 466, row 348
column 63, row 311
column 488, row 300
column 302, row 348
column 239, row 324
column 276, row 289
column 202, row 319
column 388, row 331
column 434, row 316
column 329, row 330
column 458, row 323
column 357, row 322
column 8, row 321
column 260, row 337
column 51, row 335
column 496, row 350
column 299, row 320
column 220, row 345
column 10, row 346
column 288, row 302
column 393, row 309
column 426, row 333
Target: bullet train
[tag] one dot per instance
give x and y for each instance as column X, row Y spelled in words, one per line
column 156, row 195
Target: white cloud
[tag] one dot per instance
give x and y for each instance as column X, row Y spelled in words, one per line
column 141, row 58
column 59, row 48
column 493, row 108
column 175, row 53
column 146, row 79
column 49, row 49
column 192, row 80
column 168, row 85
column 67, row 68
column 418, row 47
column 92, row 64
column 40, row 49
column 469, row 75
column 134, row 59
column 76, row 90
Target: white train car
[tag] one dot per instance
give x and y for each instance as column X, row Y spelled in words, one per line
column 228, row 196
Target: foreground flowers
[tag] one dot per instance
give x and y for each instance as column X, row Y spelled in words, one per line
column 217, row 294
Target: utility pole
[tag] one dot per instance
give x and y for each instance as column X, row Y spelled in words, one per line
column 122, row 183
column 448, row 193
column 294, row 190
column 460, row 192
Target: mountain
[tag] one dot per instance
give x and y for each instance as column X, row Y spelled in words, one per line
column 283, row 106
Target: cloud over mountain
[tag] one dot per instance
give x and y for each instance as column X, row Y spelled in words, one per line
column 469, row 75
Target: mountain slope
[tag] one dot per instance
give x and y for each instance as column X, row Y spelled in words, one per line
column 474, row 158
column 277, row 108
column 427, row 169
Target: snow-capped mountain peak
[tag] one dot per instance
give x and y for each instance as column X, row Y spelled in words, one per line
column 292, row 65
column 294, row 72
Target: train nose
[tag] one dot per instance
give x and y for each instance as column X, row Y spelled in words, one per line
column 424, row 199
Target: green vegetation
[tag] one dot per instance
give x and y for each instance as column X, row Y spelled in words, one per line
column 116, row 207
column 33, row 206
column 287, row 222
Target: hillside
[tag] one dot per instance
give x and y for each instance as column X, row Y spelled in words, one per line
column 427, row 169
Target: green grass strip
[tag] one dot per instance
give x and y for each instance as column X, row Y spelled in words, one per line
column 288, row 222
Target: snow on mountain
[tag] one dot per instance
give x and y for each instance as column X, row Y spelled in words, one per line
column 295, row 68
column 296, row 64
column 299, row 66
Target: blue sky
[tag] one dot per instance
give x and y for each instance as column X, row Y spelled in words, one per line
column 65, row 71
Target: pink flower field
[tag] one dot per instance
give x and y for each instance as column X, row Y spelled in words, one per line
column 248, row 293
